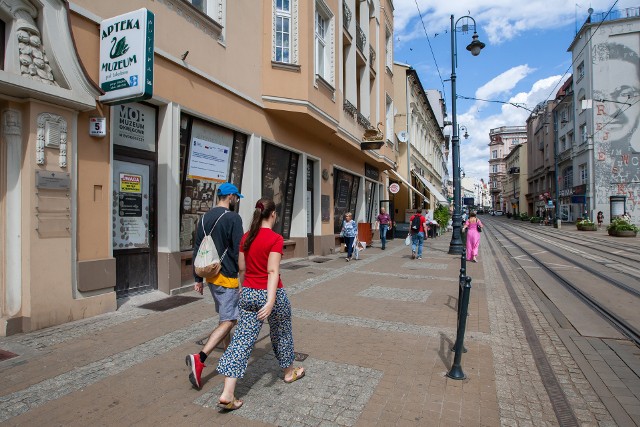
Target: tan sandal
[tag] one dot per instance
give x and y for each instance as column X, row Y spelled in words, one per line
column 231, row 406
column 296, row 375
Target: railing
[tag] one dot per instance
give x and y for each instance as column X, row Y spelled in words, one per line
column 350, row 109
column 361, row 39
column 630, row 12
column 346, row 16
column 372, row 57
column 363, row 121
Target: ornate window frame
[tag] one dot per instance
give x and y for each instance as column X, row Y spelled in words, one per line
column 52, row 133
column 328, row 74
column 293, row 32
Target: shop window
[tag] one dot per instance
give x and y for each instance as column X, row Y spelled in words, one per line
column 345, row 197
column 279, row 172
column 198, row 193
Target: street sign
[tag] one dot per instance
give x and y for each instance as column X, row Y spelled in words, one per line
column 394, row 188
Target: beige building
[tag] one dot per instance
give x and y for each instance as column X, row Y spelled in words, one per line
column 515, row 180
column 541, row 185
column 501, row 141
column 421, row 145
column 100, row 199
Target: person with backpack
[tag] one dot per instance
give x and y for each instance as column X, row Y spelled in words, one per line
column 225, row 227
column 263, row 298
column 417, row 229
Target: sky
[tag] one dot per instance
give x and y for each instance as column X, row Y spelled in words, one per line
column 525, row 60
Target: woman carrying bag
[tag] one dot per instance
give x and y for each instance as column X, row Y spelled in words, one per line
column 473, row 228
column 350, row 232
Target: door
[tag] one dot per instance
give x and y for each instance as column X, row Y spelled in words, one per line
column 310, row 210
column 134, row 224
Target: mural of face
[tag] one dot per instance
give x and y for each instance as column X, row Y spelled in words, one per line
column 621, row 92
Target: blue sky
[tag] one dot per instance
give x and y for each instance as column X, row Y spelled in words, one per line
column 524, row 62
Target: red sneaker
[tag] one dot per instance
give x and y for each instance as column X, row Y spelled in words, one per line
column 195, row 365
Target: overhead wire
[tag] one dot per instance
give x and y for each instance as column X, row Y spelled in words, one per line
column 431, row 49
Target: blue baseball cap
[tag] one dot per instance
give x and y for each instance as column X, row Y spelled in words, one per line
column 228, row 188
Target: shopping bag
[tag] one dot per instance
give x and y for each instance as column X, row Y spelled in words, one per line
column 407, row 240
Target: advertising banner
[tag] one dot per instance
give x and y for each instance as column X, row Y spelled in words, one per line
column 208, row 160
column 126, row 57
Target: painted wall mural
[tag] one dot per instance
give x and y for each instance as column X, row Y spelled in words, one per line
column 616, row 110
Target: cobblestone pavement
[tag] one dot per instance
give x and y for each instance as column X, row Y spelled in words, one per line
column 377, row 333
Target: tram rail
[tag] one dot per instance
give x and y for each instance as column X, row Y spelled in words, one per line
column 622, row 325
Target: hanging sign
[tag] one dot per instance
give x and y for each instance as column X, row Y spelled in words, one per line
column 126, row 57
column 394, row 188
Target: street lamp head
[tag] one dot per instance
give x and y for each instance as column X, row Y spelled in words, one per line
column 466, row 135
column 476, row 45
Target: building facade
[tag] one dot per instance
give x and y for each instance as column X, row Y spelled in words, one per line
column 541, row 185
column 421, row 150
column 100, row 200
column 515, row 180
column 501, row 142
column 606, row 82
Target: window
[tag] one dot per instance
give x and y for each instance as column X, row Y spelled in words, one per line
column 494, row 154
column 2, row 32
column 567, row 178
column 563, row 144
column 389, row 119
column 215, row 9
column 583, row 133
column 389, row 43
column 582, row 169
column 570, row 139
column 494, row 168
column 285, row 31
column 580, row 72
column 324, row 42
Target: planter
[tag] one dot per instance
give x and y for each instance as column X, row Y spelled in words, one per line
column 624, row 233
column 588, row 227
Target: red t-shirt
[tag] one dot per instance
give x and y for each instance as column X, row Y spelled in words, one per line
column 422, row 220
column 257, row 258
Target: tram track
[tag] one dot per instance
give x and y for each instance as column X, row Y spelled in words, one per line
column 593, row 302
column 610, row 262
column 591, row 242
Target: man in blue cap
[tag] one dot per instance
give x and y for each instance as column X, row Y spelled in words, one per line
column 224, row 286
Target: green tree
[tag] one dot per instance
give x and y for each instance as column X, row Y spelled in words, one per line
column 441, row 215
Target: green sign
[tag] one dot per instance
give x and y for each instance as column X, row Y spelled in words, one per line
column 126, row 57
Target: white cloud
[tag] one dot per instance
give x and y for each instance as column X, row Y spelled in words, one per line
column 474, row 152
column 500, row 20
column 503, row 83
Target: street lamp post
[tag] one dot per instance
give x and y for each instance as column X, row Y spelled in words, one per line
column 455, row 247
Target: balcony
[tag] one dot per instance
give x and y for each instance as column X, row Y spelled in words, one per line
column 346, row 16
column 361, row 39
column 350, row 109
column 363, row 121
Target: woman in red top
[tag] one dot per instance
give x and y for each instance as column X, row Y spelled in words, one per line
column 262, row 297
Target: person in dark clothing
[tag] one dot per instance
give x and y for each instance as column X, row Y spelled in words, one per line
column 223, row 286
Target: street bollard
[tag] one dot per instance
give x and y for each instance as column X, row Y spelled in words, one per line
column 461, row 281
column 456, row 372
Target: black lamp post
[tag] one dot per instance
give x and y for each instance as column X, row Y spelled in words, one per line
column 455, row 247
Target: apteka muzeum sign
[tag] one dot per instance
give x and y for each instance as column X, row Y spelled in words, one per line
column 126, row 57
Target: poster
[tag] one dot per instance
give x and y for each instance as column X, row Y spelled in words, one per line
column 208, row 161
column 130, row 216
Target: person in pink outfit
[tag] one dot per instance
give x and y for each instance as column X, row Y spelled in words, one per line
column 472, row 226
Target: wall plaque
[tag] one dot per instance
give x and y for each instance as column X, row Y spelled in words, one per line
column 51, row 180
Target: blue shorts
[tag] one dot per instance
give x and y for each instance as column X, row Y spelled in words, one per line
column 226, row 300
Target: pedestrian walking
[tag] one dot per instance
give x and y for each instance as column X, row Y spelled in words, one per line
column 349, row 231
column 383, row 221
column 226, row 236
column 263, row 298
column 418, row 224
column 473, row 228
column 600, row 218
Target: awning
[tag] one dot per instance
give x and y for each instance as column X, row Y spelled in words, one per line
column 439, row 197
column 409, row 186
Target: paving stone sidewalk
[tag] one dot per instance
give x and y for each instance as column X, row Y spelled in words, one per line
column 376, row 334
